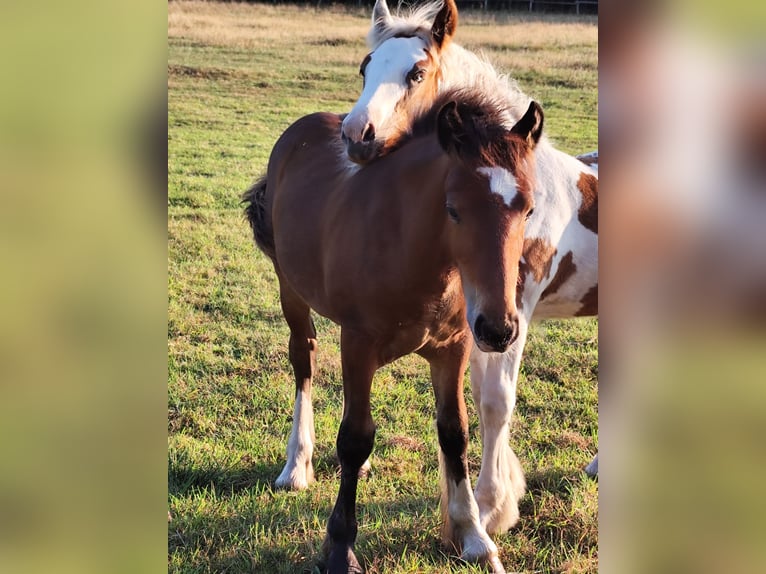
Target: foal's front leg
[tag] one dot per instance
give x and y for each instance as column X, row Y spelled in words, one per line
column 462, row 526
column 354, row 445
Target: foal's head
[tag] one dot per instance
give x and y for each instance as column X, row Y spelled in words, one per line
column 488, row 197
column 401, row 74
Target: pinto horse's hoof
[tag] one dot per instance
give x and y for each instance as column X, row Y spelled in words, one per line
column 496, row 566
column 592, row 469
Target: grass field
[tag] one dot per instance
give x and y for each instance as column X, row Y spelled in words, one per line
column 238, row 75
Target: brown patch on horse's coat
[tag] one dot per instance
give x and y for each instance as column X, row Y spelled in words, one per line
column 538, row 258
column 564, row 271
column 589, row 303
column 588, row 212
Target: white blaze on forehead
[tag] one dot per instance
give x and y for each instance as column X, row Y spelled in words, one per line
column 385, row 82
column 501, row 182
column 392, row 60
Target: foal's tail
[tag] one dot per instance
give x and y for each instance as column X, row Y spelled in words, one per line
column 255, row 211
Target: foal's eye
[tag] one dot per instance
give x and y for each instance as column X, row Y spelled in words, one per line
column 452, row 212
column 529, row 213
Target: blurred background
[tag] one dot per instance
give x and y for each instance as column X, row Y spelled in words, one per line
column 83, row 257
column 682, row 414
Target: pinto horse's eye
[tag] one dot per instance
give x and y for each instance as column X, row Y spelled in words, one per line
column 530, row 212
column 417, row 76
column 452, row 212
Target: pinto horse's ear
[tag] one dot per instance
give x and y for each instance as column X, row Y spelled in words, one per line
column 530, row 126
column 450, row 128
column 445, row 23
column 381, row 16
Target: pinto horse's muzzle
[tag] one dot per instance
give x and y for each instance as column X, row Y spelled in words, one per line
column 360, row 152
column 358, row 135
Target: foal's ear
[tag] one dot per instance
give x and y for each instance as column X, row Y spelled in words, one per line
column 445, row 23
column 530, row 126
column 381, row 16
column 450, row 128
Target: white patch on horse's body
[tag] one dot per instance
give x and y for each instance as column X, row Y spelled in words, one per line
column 555, row 221
column 298, row 472
column 501, row 182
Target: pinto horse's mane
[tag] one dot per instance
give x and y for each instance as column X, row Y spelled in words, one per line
column 462, row 70
column 408, row 22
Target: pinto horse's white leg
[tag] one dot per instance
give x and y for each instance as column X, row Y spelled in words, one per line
column 501, row 482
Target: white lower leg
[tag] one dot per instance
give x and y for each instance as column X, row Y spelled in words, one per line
column 364, row 470
column 501, row 480
column 298, row 472
column 464, row 524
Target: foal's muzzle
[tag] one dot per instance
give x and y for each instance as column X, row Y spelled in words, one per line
column 495, row 338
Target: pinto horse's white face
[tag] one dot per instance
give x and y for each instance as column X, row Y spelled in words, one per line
column 401, row 77
column 400, row 69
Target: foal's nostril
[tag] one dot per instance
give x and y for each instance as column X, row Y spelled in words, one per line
column 368, row 134
column 478, row 326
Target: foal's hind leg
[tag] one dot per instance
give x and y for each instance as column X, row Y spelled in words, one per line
column 462, row 527
column 298, row 472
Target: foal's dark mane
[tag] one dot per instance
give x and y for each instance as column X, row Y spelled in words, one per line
column 483, row 123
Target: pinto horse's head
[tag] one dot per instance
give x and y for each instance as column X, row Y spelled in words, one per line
column 488, row 199
column 401, row 75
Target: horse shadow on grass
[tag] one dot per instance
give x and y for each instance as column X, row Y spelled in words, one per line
column 264, row 530
column 257, row 477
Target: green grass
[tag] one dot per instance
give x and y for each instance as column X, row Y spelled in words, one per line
column 238, row 75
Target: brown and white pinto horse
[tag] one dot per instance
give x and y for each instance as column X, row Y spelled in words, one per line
column 398, row 253
column 412, row 59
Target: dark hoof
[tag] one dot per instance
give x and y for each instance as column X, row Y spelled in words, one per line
column 342, row 561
